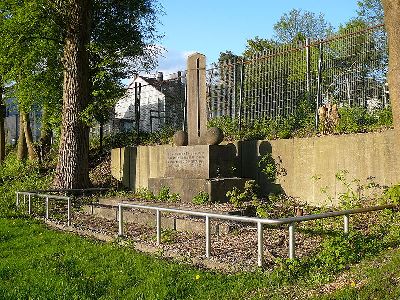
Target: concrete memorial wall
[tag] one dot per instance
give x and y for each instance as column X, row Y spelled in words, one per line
column 309, row 164
column 306, row 167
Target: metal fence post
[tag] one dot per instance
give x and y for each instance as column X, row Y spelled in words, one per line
column 308, row 67
column 69, row 212
column 292, row 241
column 47, row 208
column 17, row 203
column 346, row 224
column 260, row 239
column 158, row 222
column 29, row 204
column 24, row 199
column 120, row 221
column 241, row 92
column 319, row 84
column 233, row 101
column 208, row 239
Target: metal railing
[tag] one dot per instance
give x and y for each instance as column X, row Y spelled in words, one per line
column 260, row 223
column 45, row 194
column 47, row 198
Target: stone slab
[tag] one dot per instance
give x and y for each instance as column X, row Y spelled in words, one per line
column 201, row 161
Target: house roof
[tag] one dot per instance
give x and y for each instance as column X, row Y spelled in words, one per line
column 167, row 87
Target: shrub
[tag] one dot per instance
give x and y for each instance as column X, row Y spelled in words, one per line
column 165, row 195
column 16, row 175
column 144, row 193
column 201, row 198
column 238, row 198
column 392, row 195
column 268, row 166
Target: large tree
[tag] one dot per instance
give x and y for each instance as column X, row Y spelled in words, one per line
column 98, row 42
column 30, row 52
column 370, row 11
column 100, row 37
column 298, row 25
column 392, row 25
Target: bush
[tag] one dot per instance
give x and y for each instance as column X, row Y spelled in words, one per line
column 164, row 195
column 238, row 198
column 392, row 195
column 359, row 119
column 144, row 193
column 16, row 175
column 201, row 198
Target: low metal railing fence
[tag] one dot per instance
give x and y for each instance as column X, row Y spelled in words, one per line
column 28, row 197
column 292, row 221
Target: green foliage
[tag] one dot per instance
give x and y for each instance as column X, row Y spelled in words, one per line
column 358, row 119
column 370, row 11
column 39, row 263
column 129, row 138
column 16, row 175
column 165, row 195
column 339, row 251
column 391, row 195
column 160, row 137
column 335, row 254
column 300, row 124
column 383, row 117
column 32, row 37
column 262, row 208
column 356, row 193
column 258, row 45
column 229, row 126
column 144, row 193
column 201, row 198
column 168, row 236
column 297, row 25
column 268, row 166
column 238, row 198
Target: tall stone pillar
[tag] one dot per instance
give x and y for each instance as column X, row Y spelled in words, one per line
column 196, row 98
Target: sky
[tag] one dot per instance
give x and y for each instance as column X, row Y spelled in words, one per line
column 213, row 26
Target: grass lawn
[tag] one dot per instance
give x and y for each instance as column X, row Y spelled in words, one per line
column 38, row 263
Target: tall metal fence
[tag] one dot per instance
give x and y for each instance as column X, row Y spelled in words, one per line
column 349, row 69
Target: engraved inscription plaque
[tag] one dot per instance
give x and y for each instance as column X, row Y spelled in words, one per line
column 187, row 162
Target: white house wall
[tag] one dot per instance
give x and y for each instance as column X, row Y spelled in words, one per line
column 150, row 99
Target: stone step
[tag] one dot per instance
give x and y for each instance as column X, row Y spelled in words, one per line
column 108, row 209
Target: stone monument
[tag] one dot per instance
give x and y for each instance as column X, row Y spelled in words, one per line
column 202, row 165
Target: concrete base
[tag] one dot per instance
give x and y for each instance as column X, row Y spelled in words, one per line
column 188, row 188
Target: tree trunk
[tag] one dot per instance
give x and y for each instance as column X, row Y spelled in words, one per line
column 392, row 24
column 101, row 134
column 73, row 167
column 45, row 135
column 2, row 129
column 28, row 136
column 22, row 152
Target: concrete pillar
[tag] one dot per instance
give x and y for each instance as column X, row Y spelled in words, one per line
column 196, row 98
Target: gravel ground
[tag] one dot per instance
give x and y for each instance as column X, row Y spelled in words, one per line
column 233, row 251
column 230, row 252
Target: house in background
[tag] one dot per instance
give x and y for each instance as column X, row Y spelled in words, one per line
column 162, row 103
